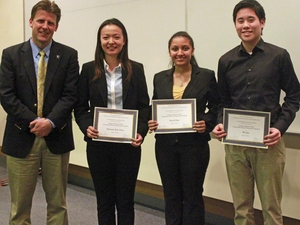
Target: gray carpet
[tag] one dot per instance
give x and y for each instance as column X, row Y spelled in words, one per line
column 81, row 204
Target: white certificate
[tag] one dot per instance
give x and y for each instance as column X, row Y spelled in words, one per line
column 246, row 128
column 115, row 125
column 174, row 115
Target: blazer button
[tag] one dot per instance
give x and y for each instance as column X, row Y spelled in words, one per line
column 35, row 105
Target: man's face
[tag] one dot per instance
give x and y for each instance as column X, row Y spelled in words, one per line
column 248, row 26
column 43, row 27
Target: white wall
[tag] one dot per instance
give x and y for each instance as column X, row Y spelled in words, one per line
column 150, row 24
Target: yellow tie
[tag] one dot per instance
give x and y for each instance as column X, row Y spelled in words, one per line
column 42, row 68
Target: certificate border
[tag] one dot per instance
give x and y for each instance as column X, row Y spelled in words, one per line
column 192, row 102
column 265, row 115
column 116, row 111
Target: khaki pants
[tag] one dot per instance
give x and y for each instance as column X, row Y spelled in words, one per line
column 247, row 166
column 22, row 175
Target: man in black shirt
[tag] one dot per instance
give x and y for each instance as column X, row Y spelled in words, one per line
column 251, row 77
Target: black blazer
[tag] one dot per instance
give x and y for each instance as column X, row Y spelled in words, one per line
column 18, row 93
column 93, row 93
column 203, row 88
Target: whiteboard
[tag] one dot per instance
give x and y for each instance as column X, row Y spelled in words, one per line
column 150, row 24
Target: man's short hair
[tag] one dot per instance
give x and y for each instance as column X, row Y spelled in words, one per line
column 48, row 6
column 252, row 4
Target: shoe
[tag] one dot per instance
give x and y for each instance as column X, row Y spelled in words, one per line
column 4, row 182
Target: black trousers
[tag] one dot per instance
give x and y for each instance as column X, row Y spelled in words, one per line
column 114, row 169
column 182, row 169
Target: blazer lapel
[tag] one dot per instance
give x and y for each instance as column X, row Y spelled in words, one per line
column 28, row 65
column 193, row 82
column 53, row 62
column 169, row 84
column 102, row 87
column 125, row 84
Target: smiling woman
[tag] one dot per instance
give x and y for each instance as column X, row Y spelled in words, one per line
column 182, row 158
column 113, row 81
column 112, row 42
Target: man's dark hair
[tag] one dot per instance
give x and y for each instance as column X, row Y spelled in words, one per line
column 252, row 4
column 48, row 6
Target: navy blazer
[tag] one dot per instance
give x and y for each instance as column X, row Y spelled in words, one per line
column 203, row 88
column 93, row 93
column 18, row 94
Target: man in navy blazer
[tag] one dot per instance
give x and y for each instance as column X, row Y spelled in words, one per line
column 31, row 141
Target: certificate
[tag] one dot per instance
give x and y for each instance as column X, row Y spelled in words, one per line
column 174, row 115
column 246, row 128
column 115, row 125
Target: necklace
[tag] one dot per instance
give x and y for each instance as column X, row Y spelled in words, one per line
column 182, row 82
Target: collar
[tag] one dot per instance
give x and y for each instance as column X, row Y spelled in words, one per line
column 259, row 47
column 106, row 66
column 36, row 50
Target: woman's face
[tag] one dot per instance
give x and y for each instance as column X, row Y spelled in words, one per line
column 181, row 51
column 112, row 40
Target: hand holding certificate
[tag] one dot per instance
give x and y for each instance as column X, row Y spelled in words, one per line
column 115, row 125
column 246, row 128
column 174, row 115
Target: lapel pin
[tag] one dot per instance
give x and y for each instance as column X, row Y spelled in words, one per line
column 57, row 56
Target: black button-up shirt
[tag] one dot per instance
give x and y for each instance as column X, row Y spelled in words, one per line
column 254, row 82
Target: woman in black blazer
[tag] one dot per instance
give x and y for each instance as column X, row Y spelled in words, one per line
column 182, row 158
column 113, row 81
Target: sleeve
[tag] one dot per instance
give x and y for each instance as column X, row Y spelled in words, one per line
column 83, row 115
column 210, row 116
column 290, row 85
column 223, row 90
column 143, row 103
column 9, row 92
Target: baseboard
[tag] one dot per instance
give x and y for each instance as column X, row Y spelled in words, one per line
column 151, row 195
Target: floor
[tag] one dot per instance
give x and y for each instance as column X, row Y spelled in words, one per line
column 81, row 207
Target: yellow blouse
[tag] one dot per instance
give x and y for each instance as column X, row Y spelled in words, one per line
column 178, row 92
